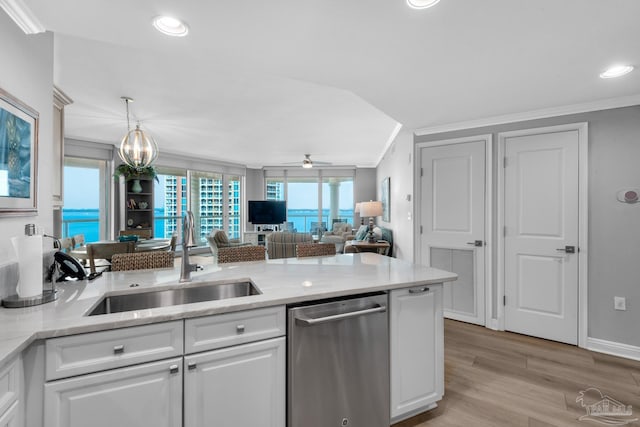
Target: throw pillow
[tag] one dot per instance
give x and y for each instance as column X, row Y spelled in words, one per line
column 362, row 232
column 221, row 239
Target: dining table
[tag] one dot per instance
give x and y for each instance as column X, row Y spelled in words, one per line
column 143, row 245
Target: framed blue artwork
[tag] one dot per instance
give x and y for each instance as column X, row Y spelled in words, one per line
column 385, row 198
column 18, row 157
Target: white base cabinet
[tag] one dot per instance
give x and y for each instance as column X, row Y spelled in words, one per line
column 417, row 350
column 144, row 395
column 11, row 394
column 236, row 386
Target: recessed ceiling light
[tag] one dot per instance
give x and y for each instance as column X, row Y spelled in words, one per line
column 616, row 71
column 421, row 4
column 170, row 26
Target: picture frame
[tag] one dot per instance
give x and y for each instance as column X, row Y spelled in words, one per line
column 18, row 157
column 384, row 195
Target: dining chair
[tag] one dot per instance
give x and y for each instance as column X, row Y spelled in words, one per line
column 173, row 242
column 78, row 240
column 106, row 251
column 315, row 249
column 66, row 244
column 142, row 261
column 241, row 254
column 142, row 233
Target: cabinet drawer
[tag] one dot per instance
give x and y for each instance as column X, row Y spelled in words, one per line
column 9, row 384
column 209, row 333
column 81, row 354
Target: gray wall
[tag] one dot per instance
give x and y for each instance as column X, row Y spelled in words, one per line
column 27, row 74
column 613, row 230
column 397, row 164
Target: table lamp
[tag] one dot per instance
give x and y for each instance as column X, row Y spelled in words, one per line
column 371, row 209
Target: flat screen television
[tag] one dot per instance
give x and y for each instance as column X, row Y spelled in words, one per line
column 265, row 212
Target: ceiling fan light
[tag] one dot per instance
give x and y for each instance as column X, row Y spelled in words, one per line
column 170, row 26
column 421, row 4
column 616, row 71
column 307, row 164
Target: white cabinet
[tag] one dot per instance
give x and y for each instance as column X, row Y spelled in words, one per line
column 11, row 393
column 234, row 374
column 236, row 386
column 417, row 350
column 143, row 395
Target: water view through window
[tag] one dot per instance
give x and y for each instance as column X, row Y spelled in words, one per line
column 81, row 213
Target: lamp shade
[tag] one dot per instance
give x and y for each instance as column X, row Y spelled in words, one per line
column 138, row 149
column 371, row 209
column 357, row 208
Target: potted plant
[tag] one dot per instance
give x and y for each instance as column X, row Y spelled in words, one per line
column 131, row 173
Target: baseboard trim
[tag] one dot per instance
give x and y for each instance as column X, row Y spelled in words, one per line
column 613, row 348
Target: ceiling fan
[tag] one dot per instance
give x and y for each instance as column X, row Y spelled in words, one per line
column 307, row 163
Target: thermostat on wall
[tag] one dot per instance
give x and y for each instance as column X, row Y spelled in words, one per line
column 629, row 195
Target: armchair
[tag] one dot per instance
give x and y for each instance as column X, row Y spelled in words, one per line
column 340, row 233
column 218, row 239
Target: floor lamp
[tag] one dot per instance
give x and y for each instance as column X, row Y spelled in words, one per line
column 371, row 209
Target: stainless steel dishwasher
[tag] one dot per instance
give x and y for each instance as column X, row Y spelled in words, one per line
column 338, row 363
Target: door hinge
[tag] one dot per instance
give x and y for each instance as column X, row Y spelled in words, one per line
column 421, row 172
column 504, row 300
column 504, row 231
column 504, row 162
column 420, row 229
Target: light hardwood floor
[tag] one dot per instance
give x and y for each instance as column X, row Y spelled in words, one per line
column 497, row 379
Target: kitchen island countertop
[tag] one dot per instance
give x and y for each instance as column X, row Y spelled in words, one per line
column 281, row 281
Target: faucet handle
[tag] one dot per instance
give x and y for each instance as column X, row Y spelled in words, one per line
column 199, row 267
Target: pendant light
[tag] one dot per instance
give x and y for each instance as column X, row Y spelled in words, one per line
column 137, row 149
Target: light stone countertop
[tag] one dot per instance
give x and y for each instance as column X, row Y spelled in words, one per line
column 281, row 281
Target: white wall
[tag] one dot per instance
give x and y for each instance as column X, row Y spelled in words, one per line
column 27, row 74
column 613, row 230
column 397, row 164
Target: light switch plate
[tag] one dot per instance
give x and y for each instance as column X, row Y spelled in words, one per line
column 620, row 303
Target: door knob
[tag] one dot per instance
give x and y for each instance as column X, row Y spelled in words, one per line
column 477, row 243
column 567, row 249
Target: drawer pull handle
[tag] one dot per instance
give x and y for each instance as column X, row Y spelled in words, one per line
column 191, row 366
column 240, row 329
column 118, row 349
column 173, row 369
column 418, row 291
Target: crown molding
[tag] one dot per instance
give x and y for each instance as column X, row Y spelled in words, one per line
column 22, row 16
column 392, row 137
column 604, row 104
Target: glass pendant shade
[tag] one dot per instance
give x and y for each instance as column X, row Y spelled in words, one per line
column 138, row 149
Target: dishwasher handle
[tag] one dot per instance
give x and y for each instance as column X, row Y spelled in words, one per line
column 307, row 321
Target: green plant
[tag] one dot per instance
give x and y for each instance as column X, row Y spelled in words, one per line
column 129, row 172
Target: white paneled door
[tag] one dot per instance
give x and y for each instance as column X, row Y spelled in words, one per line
column 541, row 189
column 453, row 192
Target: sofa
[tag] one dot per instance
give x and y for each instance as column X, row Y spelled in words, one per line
column 281, row 244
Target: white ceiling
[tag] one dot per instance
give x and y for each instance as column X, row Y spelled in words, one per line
column 263, row 83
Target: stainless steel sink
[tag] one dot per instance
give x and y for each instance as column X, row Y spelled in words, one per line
column 177, row 296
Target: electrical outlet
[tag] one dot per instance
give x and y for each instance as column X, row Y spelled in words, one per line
column 620, row 303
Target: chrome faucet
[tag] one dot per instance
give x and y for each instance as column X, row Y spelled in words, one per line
column 188, row 241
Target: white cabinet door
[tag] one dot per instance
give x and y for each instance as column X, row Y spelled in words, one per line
column 236, row 386
column 417, row 350
column 11, row 418
column 138, row 396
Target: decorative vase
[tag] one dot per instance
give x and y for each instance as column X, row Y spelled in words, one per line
column 136, row 187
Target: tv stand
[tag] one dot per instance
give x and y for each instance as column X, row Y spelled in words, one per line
column 256, row 238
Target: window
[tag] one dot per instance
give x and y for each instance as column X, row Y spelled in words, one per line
column 216, row 203
column 315, row 200
column 85, row 198
column 170, row 203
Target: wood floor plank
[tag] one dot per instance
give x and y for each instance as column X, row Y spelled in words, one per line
column 501, row 379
